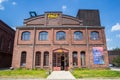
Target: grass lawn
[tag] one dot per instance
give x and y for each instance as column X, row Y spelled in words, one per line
column 23, row 73
column 98, row 73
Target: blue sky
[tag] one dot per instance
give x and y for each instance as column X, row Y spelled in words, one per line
column 13, row 12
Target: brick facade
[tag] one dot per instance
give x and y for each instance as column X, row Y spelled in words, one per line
column 6, row 45
column 53, row 24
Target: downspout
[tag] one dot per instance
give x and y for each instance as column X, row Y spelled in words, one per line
column 33, row 48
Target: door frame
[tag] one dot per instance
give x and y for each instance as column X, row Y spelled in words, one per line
column 55, row 57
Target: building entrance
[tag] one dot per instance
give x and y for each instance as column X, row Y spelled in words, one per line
column 60, row 61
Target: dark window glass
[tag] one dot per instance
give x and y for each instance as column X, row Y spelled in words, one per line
column 9, row 45
column 23, row 59
column 1, row 43
column 75, row 59
column 37, row 59
column 46, row 59
column 83, row 62
column 60, row 35
column 94, row 35
column 78, row 35
column 26, row 36
column 43, row 35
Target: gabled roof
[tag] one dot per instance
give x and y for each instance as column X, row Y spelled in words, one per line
column 61, row 19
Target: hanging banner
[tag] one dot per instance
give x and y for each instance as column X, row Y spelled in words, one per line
column 98, row 55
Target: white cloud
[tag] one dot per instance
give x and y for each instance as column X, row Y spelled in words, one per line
column 1, row 6
column 1, row 1
column 116, row 27
column 108, row 39
column 118, row 35
column 64, row 7
column 14, row 3
column 110, row 48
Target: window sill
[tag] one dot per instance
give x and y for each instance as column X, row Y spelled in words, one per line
column 43, row 40
column 37, row 66
column 94, row 39
column 45, row 66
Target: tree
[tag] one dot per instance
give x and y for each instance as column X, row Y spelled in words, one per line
column 116, row 61
column 116, row 49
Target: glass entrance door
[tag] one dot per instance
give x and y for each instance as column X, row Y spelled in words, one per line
column 60, row 60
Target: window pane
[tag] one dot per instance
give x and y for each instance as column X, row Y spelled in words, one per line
column 75, row 60
column 54, row 59
column 23, row 59
column 1, row 43
column 46, row 59
column 37, row 59
column 60, row 35
column 83, row 59
column 78, row 35
column 94, row 35
column 26, row 36
column 43, row 36
column 9, row 45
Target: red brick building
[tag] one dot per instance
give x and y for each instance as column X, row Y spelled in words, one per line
column 6, row 44
column 59, row 42
column 112, row 54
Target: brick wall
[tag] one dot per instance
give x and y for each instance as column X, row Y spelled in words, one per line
column 52, row 44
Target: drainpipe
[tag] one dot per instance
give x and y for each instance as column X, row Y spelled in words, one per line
column 33, row 48
column 88, row 47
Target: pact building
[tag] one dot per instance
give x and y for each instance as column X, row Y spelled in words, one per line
column 57, row 41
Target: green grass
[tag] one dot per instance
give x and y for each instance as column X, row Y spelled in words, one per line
column 23, row 73
column 95, row 73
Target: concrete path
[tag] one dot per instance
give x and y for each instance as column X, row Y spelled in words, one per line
column 99, row 79
column 62, row 79
column 61, row 75
column 115, row 69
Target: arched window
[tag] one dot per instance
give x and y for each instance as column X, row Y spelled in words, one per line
column 37, row 59
column 78, row 35
column 75, row 58
column 46, row 59
column 26, row 36
column 83, row 61
column 60, row 35
column 94, row 35
column 23, row 59
column 43, row 35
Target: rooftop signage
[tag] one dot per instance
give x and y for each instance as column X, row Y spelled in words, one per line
column 52, row 15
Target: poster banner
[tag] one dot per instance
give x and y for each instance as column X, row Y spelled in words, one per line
column 98, row 55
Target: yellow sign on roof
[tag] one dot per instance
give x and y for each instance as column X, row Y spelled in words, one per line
column 52, row 15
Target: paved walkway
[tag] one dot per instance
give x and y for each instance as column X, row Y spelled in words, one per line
column 61, row 75
column 63, row 79
column 115, row 69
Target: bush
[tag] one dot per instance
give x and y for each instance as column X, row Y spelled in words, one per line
column 116, row 62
